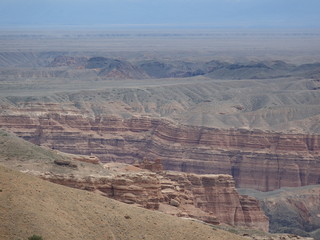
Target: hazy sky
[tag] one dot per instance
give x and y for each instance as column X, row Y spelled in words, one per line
column 212, row 13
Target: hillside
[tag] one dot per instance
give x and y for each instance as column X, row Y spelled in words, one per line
column 269, row 96
column 201, row 197
column 24, row 156
column 30, row 205
column 213, row 110
column 33, row 206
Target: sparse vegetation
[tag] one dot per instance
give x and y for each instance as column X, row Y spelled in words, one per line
column 243, row 231
column 35, row 237
column 80, row 215
column 15, row 148
column 195, row 89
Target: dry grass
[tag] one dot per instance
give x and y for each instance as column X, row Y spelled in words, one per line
column 29, row 205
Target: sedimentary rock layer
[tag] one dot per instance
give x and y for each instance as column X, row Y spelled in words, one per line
column 170, row 192
column 216, row 194
column 256, row 159
column 291, row 210
column 209, row 198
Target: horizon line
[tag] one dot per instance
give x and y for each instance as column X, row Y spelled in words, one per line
column 147, row 26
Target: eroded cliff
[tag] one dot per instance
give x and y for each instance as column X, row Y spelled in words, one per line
column 256, row 159
column 216, row 195
column 291, row 210
column 209, row 198
column 173, row 193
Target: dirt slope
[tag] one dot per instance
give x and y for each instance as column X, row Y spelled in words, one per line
column 30, row 206
column 19, row 154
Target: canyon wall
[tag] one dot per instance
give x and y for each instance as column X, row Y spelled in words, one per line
column 256, row 159
column 209, row 198
column 291, row 210
column 170, row 192
column 216, row 194
column 142, row 189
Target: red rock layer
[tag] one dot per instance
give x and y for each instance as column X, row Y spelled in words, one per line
column 292, row 209
column 135, row 188
column 256, row 159
column 209, row 198
column 216, row 194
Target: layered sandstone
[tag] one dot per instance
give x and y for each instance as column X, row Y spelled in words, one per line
column 203, row 197
column 135, row 188
column 209, row 198
column 33, row 206
column 216, row 194
column 291, row 210
column 256, row 159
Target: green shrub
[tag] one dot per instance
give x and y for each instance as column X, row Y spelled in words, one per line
column 35, row 237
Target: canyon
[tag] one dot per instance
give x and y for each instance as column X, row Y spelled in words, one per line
column 172, row 130
column 290, row 209
column 31, row 206
column 209, row 198
column 256, row 159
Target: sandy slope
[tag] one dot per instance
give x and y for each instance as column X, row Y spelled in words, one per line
column 30, row 206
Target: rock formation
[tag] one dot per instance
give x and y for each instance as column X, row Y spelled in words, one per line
column 291, row 210
column 214, row 194
column 256, row 159
column 134, row 188
column 32, row 206
column 175, row 193
column 209, row 198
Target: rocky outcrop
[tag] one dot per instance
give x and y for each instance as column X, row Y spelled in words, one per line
column 291, row 210
column 186, row 195
column 209, row 198
column 256, row 159
column 214, row 194
column 30, row 205
column 134, row 188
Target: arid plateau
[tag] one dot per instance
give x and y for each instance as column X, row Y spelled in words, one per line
column 222, row 127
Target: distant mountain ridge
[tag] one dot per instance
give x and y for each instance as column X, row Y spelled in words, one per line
column 116, row 68
column 213, row 69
